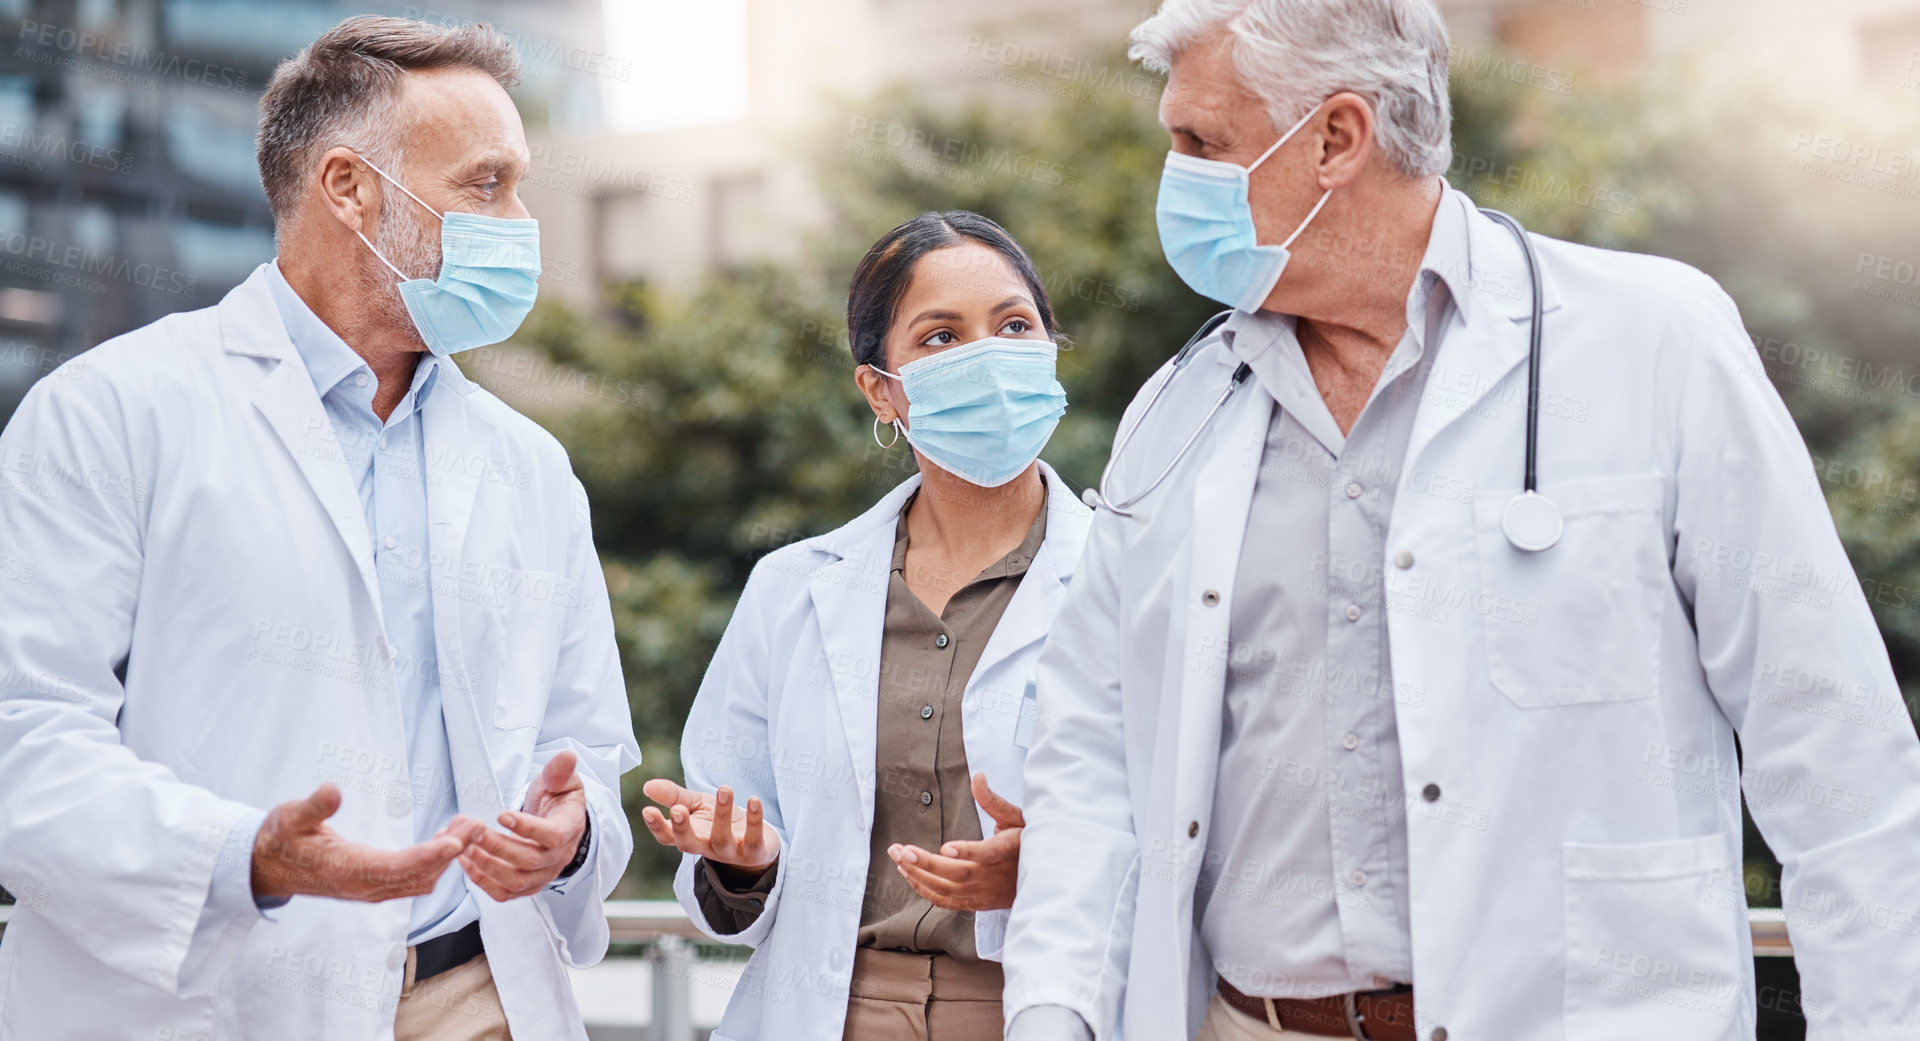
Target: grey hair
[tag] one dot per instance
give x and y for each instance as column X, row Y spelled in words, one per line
column 342, row 88
column 1294, row 54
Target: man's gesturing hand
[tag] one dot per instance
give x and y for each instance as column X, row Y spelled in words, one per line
column 297, row 854
column 705, row 825
column 545, row 836
column 970, row 876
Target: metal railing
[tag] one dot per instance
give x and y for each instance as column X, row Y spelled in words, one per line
column 663, row 926
column 649, row 921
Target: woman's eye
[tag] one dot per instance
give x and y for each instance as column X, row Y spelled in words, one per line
column 1017, row 327
column 939, row 339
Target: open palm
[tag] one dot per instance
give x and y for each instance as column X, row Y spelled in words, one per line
column 706, row 825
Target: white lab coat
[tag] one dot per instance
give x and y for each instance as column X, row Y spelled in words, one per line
column 1578, row 876
column 787, row 712
column 202, row 633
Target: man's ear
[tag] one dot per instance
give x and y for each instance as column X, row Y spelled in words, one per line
column 346, row 188
column 1345, row 127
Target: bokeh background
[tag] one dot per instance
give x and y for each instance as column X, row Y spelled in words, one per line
column 706, row 173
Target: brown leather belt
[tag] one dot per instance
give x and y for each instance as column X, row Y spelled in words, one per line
column 1370, row 1015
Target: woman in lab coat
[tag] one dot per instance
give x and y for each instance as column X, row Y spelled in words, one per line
column 853, row 757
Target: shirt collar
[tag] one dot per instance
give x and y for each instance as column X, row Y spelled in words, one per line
column 1448, row 260
column 328, row 359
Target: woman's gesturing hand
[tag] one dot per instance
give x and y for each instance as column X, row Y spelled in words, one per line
column 705, row 825
column 969, row 876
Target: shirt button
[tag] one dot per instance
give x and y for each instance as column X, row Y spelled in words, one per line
column 926, row 798
column 1193, row 829
column 391, row 542
column 1431, row 793
column 360, row 379
column 1359, row 878
column 1353, row 490
column 1439, row 1034
column 940, row 640
column 1211, row 598
column 1403, row 560
column 1350, row 742
column 926, row 712
column 1353, row 612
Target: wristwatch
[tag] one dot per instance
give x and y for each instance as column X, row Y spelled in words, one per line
column 580, row 855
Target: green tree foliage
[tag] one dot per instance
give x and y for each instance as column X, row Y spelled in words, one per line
column 719, row 426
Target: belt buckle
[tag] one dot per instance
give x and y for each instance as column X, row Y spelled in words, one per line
column 1356, row 1023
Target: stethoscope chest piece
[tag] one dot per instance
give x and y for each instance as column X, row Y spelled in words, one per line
column 1532, row 522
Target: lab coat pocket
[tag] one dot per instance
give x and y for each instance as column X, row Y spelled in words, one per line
column 1579, row 622
column 532, row 622
column 1651, row 948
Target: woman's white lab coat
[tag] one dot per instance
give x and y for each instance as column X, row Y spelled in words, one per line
column 788, row 712
column 202, row 634
column 1567, row 720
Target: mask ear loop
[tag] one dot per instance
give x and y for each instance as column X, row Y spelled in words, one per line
column 402, row 275
column 400, row 186
column 1284, row 138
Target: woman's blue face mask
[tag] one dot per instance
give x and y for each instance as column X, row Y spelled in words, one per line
column 983, row 411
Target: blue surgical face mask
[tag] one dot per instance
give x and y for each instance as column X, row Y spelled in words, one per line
column 1206, row 228
column 984, row 410
column 489, row 275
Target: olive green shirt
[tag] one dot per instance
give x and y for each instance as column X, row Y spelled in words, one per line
column 923, row 794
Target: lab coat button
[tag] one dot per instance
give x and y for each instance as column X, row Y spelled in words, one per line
column 1431, row 793
column 1353, row 612
column 398, row 803
column 940, row 640
column 1193, row 830
column 1350, row 742
column 926, row 712
column 1359, row 879
column 1439, row 1034
column 1211, row 598
column 1403, row 560
column 926, row 798
column 1353, row 490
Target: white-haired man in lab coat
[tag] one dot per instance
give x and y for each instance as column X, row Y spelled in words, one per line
column 311, row 716
column 1340, row 734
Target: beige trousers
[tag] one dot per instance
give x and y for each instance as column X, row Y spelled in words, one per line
column 1226, row 1023
column 457, row 1005
column 898, row 996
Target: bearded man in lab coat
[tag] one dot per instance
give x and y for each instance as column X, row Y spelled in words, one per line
column 1336, row 742
column 311, row 716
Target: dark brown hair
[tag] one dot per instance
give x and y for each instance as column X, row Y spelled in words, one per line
column 887, row 270
column 340, row 90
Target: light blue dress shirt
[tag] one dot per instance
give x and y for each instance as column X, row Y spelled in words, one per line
column 387, row 463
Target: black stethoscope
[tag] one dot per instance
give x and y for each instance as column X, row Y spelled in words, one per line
column 1531, row 521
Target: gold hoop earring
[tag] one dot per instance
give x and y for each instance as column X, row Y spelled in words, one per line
column 876, row 433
